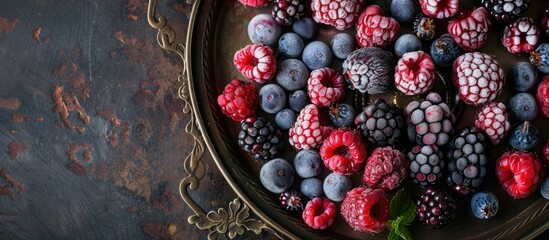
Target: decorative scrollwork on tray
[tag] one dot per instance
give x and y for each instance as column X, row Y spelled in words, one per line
column 222, row 224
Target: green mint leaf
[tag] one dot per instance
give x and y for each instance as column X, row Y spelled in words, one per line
column 404, row 233
column 410, row 213
column 393, row 236
column 400, row 202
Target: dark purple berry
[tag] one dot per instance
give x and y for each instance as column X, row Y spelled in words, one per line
column 298, row 100
column 523, row 107
column 407, row 43
column 524, row 136
column 317, row 55
column 272, row 98
column 523, row 76
column 305, row 27
column 403, row 10
column 291, row 45
column 277, row 175
column 285, row 118
column 292, row 74
column 444, row 51
column 342, row 115
column 342, row 44
column 307, row 163
column 436, row 208
column 484, row 205
column 336, row 186
column 311, row 187
column 291, row 200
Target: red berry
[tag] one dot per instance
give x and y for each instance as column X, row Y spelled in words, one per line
column 519, row 173
column 238, row 100
column 366, row 210
column 343, row 151
column 439, row 9
column 326, row 87
column 470, row 29
column 374, row 29
column 494, row 121
column 319, row 213
column 307, row 132
column 415, row 73
column 255, row 3
column 386, row 168
column 339, row 13
column 546, row 154
column 542, row 95
column 521, row 36
column 256, row 62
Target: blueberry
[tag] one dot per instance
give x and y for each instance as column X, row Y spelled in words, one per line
column 272, row 98
column 305, row 27
column 336, row 186
column 317, row 55
column 444, row 51
column 298, row 100
column 263, row 29
column 290, row 44
column 311, row 187
column 523, row 107
column 343, row 44
column 285, row 118
column 342, row 115
column 292, row 74
column 523, row 76
column 307, row 163
column 524, row 136
column 407, row 43
column 540, row 58
column 484, row 205
column 277, row 175
column 403, row 10
column 544, row 189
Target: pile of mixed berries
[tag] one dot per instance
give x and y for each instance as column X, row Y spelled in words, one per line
column 298, row 96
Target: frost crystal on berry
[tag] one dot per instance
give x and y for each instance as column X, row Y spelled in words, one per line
column 256, row 62
column 439, row 9
column 326, row 87
column 307, row 132
column 341, row 14
column 370, row 70
column 493, row 120
column 415, row 73
column 470, row 29
column 521, row 35
column 374, row 29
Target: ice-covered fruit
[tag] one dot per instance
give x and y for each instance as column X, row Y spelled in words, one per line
column 385, row 169
column 439, row 9
column 424, row 27
column 326, row 87
column 380, row 123
column 319, row 213
column 341, row 14
column 256, row 62
column 444, row 51
column 343, row 151
column 523, row 107
column 311, row 187
column 540, row 58
column 506, row 10
column 255, row 3
column 263, row 29
column 436, row 208
column 366, row 210
column 545, row 22
column 285, row 118
column 521, row 36
column 291, row 200
column 519, row 173
column 292, row 74
column 370, row 70
column 494, row 121
column 285, row 12
column 426, row 164
column 305, row 27
column 277, row 175
column 415, row 73
column 307, row 163
column 308, row 132
column 403, row 10
column 542, row 94
column 272, row 98
column 298, row 100
column 238, row 100
column 524, row 136
column 407, row 43
column 523, row 76
column 429, row 121
column 260, row 138
column 290, row 45
column 336, row 186
column 484, row 205
column 544, row 189
column 342, row 115
column 375, row 30
column 470, row 28
column 342, row 44
column 317, row 55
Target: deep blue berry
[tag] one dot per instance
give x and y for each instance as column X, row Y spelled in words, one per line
column 263, row 29
column 342, row 115
column 484, row 205
column 305, row 27
column 291, row 45
column 544, row 189
column 403, row 10
column 285, row 118
column 343, row 44
column 307, row 163
column 523, row 107
column 311, row 187
column 336, row 186
column 272, row 98
column 540, row 58
column 523, row 76
column 277, row 175
column 524, row 136
column 298, row 100
column 317, row 55
column 444, row 51
column 292, row 74
column 407, row 43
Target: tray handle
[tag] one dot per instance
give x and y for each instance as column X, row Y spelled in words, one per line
column 223, row 223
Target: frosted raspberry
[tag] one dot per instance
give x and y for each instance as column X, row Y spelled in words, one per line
column 326, row 87
column 519, row 173
column 546, row 154
column 470, row 29
column 493, row 120
column 255, row 3
column 343, row 151
column 542, row 95
column 439, row 9
column 415, row 73
column 307, row 132
column 521, row 36
column 366, row 210
column 478, row 77
column 339, row 13
column 256, row 62
column 319, row 213
column 238, row 100
column 386, row 168
column 374, row 29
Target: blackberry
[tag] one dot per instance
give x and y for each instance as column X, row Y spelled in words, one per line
column 291, row 200
column 506, row 10
column 467, row 160
column 429, row 121
column 285, row 12
column 426, row 164
column 436, row 208
column 380, row 123
column 260, row 138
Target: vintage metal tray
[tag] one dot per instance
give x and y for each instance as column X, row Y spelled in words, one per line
column 217, row 29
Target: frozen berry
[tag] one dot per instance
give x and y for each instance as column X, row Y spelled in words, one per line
column 290, row 45
column 494, row 121
column 540, row 58
column 415, row 73
column 380, row 123
column 292, row 74
column 444, row 51
column 545, row 22
column 366, row 210
column 544, row 189
column 403, row 10
column 291, row 200
column 255, row 3
column 285, row 12
column 426, row 164
column 317, row 55
column 308, row 132
column 375, row 30
column 336, row 186
column 521, row 36
column 385, row 169
column 470, row 28
column 436, row 208
column 523, row 76
column 523, row 107
column 484, row 205
column 524, row 136
column 542, row 94
column 407, row 43
column 256, row 62
column 439, row 9
column 260, row 138
column 342, row 115
column 424, row 27
column 277, row 175
column 506, row 10
column 307, row 163
column 263, row 29
column 342, row 44
column 285, row 118
column 319, row 213
column 341, row 14
column 305, row 27
column 519, row 173
column 272, row 98
column 311, row 187
column 370, row 70
column 326, row 87
column 343, row 151
column 429, row 121
column 298, row 100
column 238, row 100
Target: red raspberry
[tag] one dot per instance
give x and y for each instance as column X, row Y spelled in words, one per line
column 238, row 100
column 546, row 154
column 478, row 77
column 319, row 213
column 339, row 13
column 521, row 36
column 542, row 95
column 366, row 210
column 439, row 9
column 374, row 29
column 519, row 173
column 307, row 132
column 256, row 62
column 255, row 3
column 386, row 168
column 343, row 151
column 493, row 120
column 470, row 29
column 326, row 87
column 415, row 73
